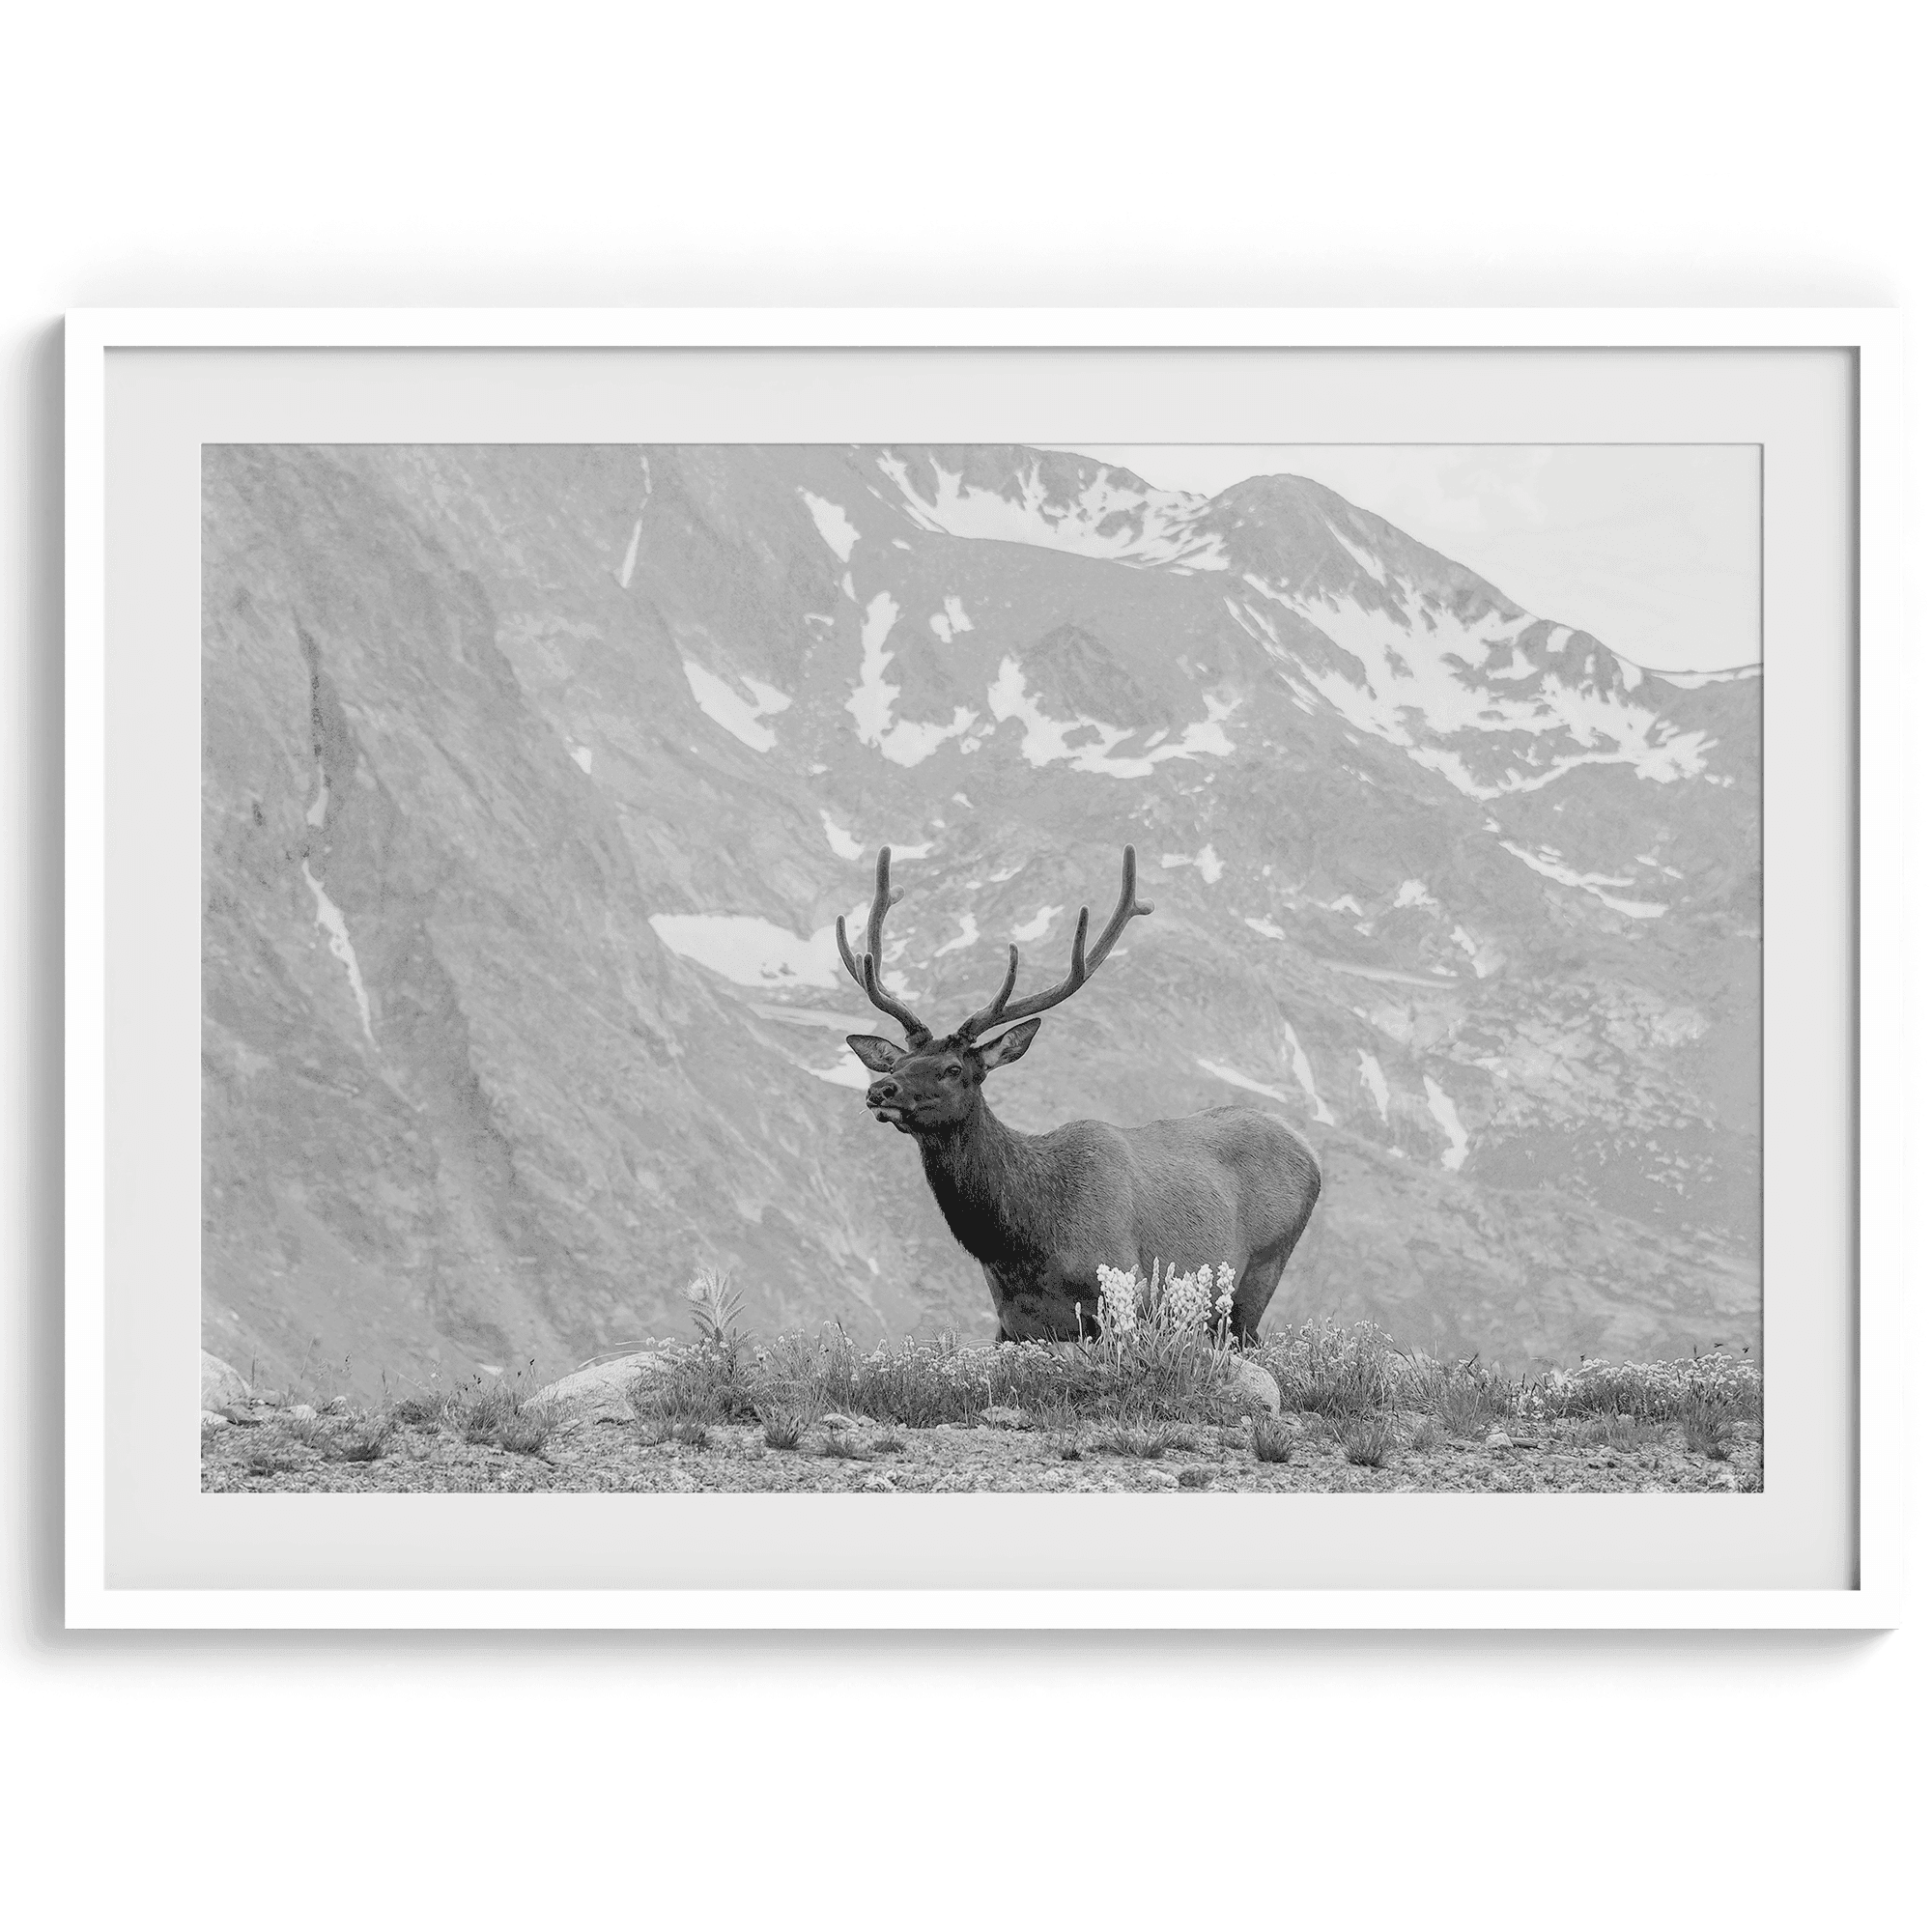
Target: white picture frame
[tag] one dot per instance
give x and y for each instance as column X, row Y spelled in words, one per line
column 1866, row 1409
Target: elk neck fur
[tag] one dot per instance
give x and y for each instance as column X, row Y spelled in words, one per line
column 995, row 1187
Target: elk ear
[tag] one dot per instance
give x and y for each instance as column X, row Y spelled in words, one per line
column 880, row 1055
column 1010, row 1045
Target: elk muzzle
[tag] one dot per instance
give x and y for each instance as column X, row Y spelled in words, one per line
column 882, row 1099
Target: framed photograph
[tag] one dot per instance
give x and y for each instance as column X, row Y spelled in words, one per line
column 978, row 968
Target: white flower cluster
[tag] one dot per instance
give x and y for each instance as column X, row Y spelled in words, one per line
column 1119, row 1290
column 1720, row 1376
column 1174, row 1303
column 1184, row 1298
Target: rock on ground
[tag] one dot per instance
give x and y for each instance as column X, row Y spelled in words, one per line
column 220, row 1387
column 1254, row 1384
column 597, row 1394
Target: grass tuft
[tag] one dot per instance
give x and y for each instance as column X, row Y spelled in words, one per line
column 1621, row 1433
column 1708, row 1427
column 503, row 1413
column 367, row 1443
column 1149, row 1440
column 1425, row 1435
column 784, row 1426
column 1368, row 1440
column 1274, row 1441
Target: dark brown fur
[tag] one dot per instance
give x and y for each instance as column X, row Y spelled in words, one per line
column 1042, row 1213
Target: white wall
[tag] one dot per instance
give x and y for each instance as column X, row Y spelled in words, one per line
column 1407, row 153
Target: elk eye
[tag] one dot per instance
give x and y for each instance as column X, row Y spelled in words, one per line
column 950, row 1072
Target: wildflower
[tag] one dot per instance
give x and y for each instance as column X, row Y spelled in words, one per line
column 1184, row 1299
column 1119, row 1290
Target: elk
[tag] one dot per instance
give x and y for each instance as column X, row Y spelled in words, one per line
column 1042, row 1213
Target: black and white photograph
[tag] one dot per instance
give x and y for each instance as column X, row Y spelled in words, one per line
column 999, row 931
column 898, row 969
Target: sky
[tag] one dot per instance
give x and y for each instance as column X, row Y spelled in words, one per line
column 1651, row 546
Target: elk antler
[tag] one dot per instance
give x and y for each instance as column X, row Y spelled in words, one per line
column 865, row 968
column 1084, row 964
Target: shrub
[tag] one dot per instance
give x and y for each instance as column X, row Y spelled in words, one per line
column 691, row 1385
column 1656, row 1391
column 1167, row 1367
column 1333, row 1372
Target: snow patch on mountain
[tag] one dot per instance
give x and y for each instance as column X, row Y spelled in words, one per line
column 842, row 841
column 1304, row 1074
column 1148, row 527
column 1206, row 861
column 1046, row 737
column 328, row 915
column 630, row 562
column 1695, row 680
column 1037, row 927
column 968, row 933
column 1368, row 559
column 843, row 1072
column 1245, row 1082
column 1423, row 674
column 901, row 741
column 1484, row 958
column 838, row 529
column 1375, row 1080
column 735, row 714
column 751, row 952
column 1443, row 1108
column 951, row 622
column 583, row 757
column 1550, row 863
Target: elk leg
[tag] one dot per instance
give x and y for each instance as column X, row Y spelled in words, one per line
column 1256, row 1287
column 1001, row 1333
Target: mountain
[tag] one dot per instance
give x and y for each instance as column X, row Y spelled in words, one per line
column 536, row 776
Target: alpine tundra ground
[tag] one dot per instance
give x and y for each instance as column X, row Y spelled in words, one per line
column 806, row 1413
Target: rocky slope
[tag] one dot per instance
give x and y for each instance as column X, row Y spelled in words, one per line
column 535, row 777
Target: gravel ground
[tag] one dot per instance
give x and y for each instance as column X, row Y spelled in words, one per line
column 305, row 1455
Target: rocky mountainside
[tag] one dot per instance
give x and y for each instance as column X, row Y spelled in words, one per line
column 535, row 779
